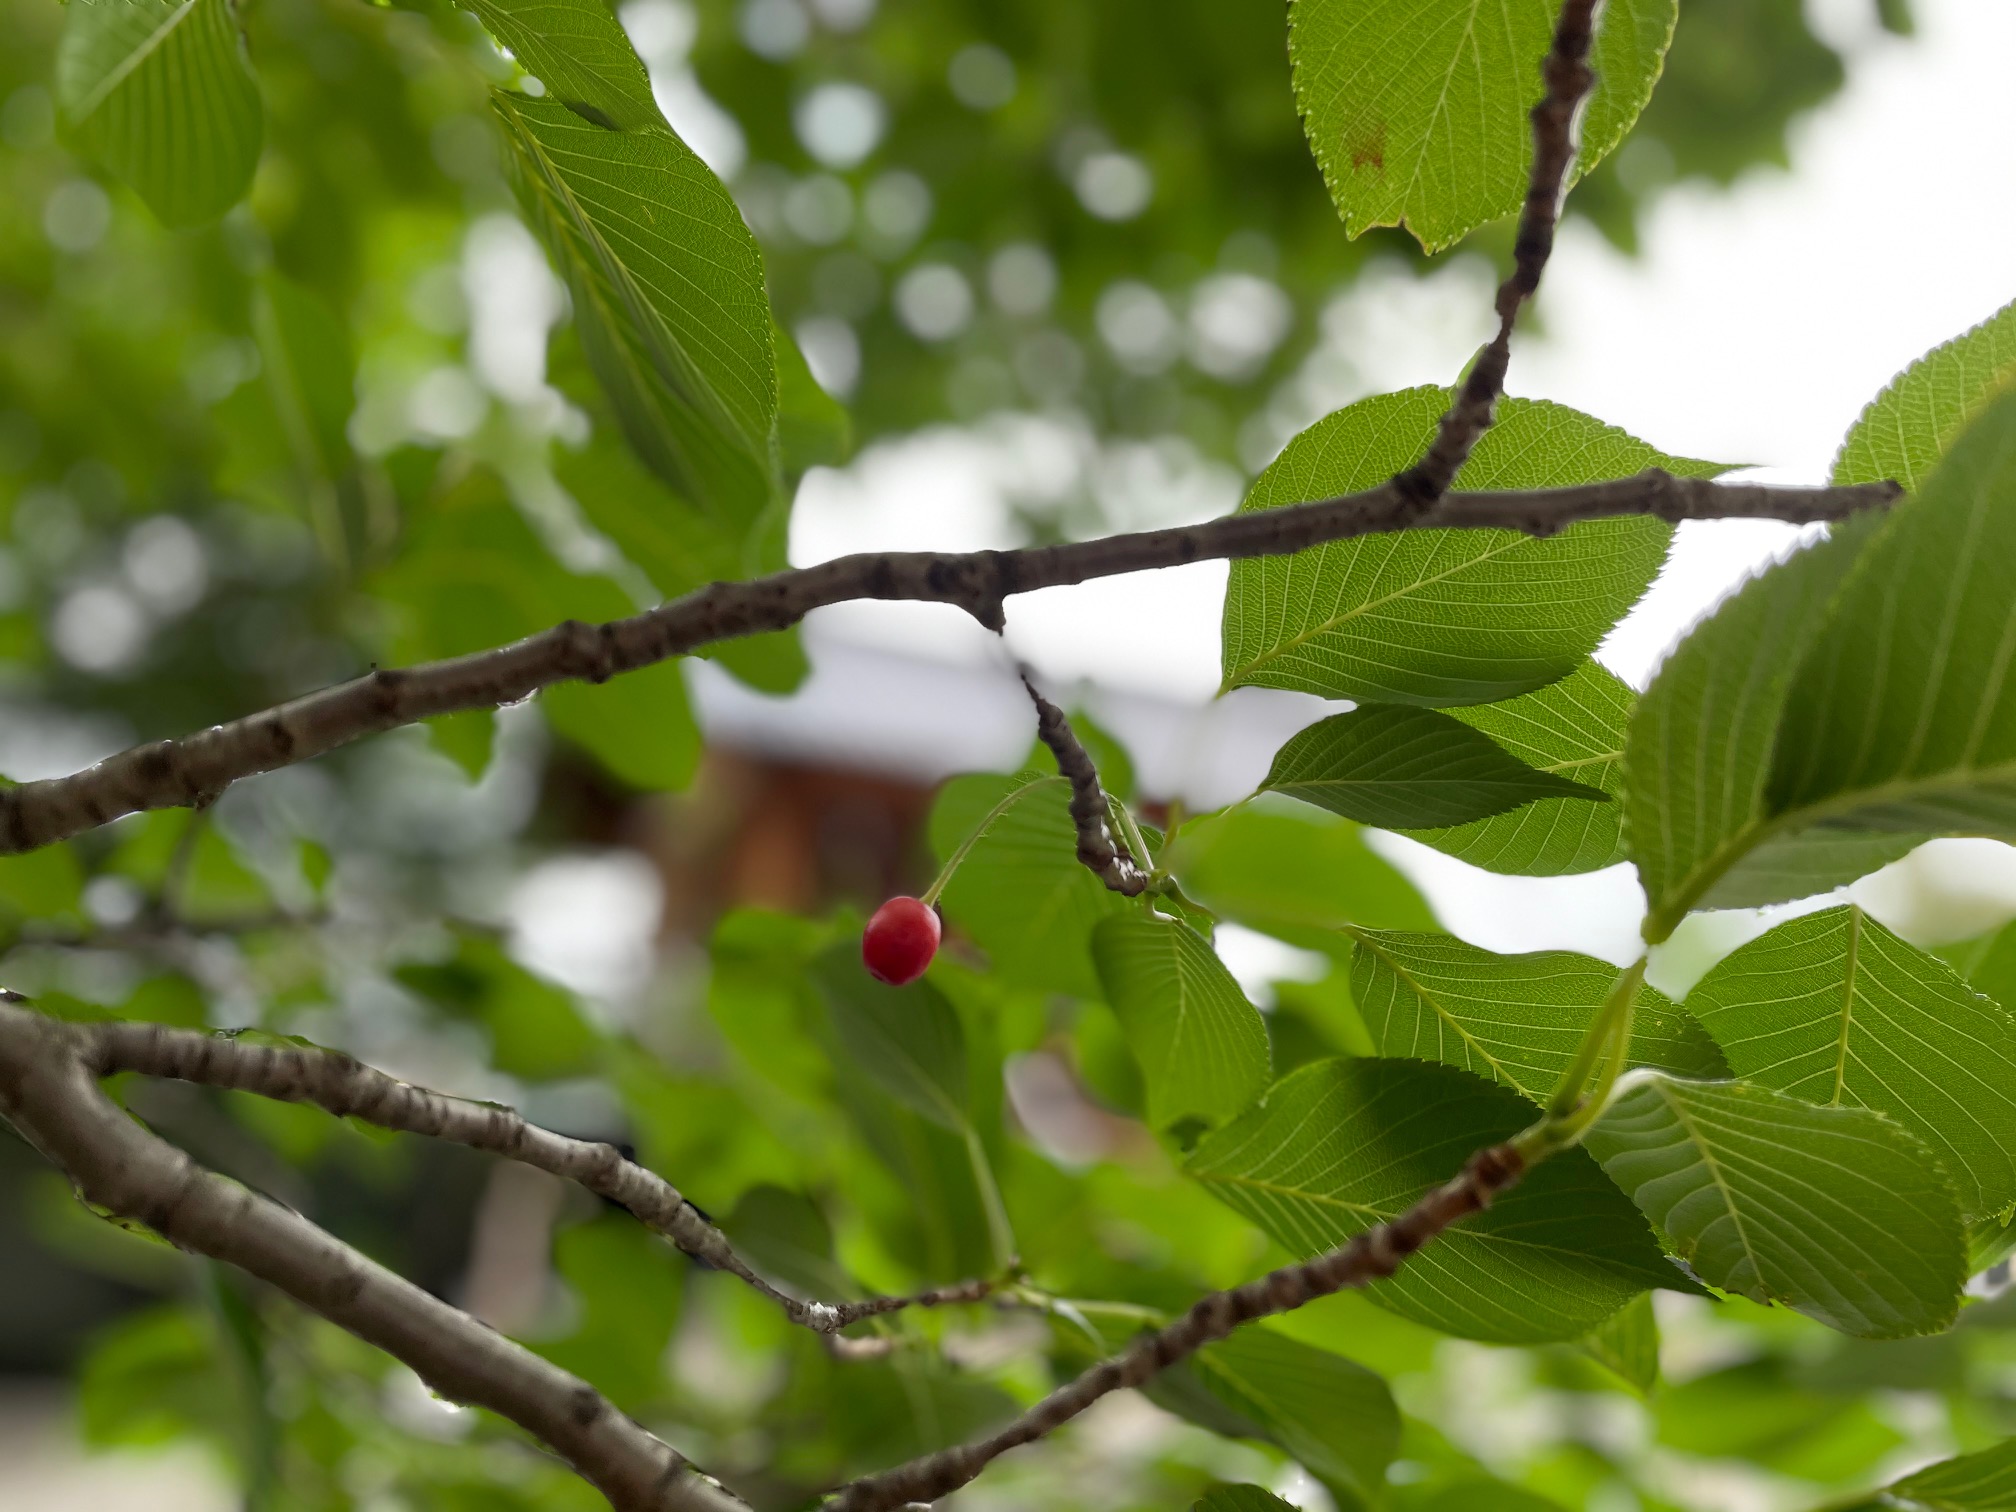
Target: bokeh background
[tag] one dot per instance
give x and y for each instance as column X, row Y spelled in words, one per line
column 1071, row 269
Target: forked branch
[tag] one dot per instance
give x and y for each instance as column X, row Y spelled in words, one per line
column 49, row 1091
column 49, row 1071
column 345, row 1088
column 1371, row 1256
column 1379, row 1252
column 196, row 768
column 1569, row 80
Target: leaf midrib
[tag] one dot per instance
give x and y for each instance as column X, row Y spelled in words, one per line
column 1421, row 992
column 1760, row 827
column 898, row 1051
column 1572, row 763
column 674, row 369
column 1441, row 104
column 1303, row 637
column 130, row 64
column 1714, row 1169
column 1854, row 951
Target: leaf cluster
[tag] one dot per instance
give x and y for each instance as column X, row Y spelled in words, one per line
column 1806, row 1156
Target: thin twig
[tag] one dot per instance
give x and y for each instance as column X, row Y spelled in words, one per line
column 49, row 1090
column 346, row 1088
column 1379, row 1252
column 178, row 773
column 1105, row 856
column 979, row 1289
column 1371, row 1256
column 1569, row 79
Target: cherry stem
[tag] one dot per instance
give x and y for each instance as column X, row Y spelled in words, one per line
column 991, row 818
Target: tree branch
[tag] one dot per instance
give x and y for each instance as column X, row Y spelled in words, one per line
column 346, row 1088
column 1106, row 857
column 1569, row 79
column 49, row 1090
column 1379, row 1252
column 1371, row 1256
column 196, row 768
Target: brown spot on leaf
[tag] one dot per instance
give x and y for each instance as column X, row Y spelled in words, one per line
column 1366, row 147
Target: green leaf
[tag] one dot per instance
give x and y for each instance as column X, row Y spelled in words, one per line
column 162, row 93
column 678, row 548
column 1473, row 1493
column 1518, row 1019
column 304, row 352
column 626, row 1282
column 1332, row 1414
column 759, row 995
column 1201, row 1046
column 639, row 726
column 668, row 295
column 473, row 575
column 1791, row 864
column 536, row 1031
column 688, row 1123
column 209, row 880
column 1983, row 1482
column 907, row 1040
column 580, row 53
column 1342, row 1145
column 1991, row 965
column 1021, row 892
column 1835, row 1009
column 945, row 1218
column 1395, row 767
column 1575, row 729
column 1440, row 617
column 785, row 1236
column 813, row 428
column 1241, row 1498
column 1762, row 1412
column 476, row 576
column 858, row 1416
column 1902, row 717
column 43, row 884
column 1907, row 428
column 468, row 739
column 1835, row 689
column 1418, row 114
column 169, row 999
column 1838, row 1213
column 1298, row 869
column 1990, row 1241
column 153, row 1377
column 1694, row 808
column 1627, row 1344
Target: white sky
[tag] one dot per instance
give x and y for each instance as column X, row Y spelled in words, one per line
column 1753, row 327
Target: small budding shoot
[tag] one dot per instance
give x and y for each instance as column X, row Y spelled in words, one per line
column 900, row 941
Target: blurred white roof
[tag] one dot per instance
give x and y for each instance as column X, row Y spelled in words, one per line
column 872, row 709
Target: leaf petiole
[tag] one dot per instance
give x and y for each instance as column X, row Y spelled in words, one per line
column 1605, row 1044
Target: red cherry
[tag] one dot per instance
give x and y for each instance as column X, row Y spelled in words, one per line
column 900, row 940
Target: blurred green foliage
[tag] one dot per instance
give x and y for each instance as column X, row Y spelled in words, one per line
column 262, row 451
